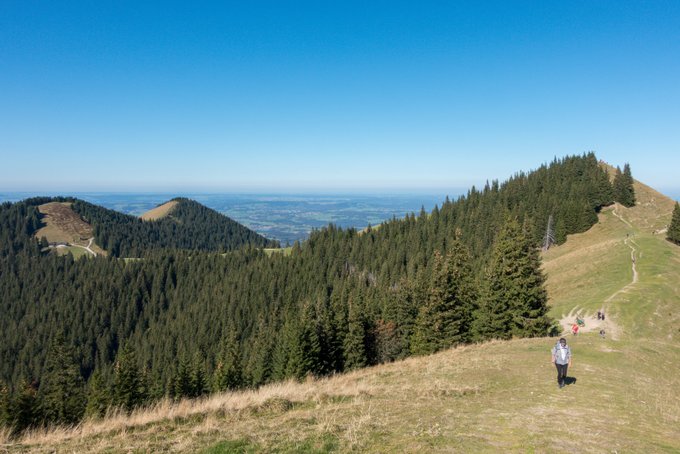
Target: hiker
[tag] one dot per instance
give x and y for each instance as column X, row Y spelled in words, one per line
column 574, row 329
column 602, row 333
column 561, row 358
column 599, row 315
column 602, row 315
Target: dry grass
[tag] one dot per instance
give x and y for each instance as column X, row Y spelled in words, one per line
column 160, row 211
column 274, row 397
column 5, row 435
column 498, row 396
column 63, row 225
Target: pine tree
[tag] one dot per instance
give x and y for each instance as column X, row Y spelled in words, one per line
column 181, row 383
column 403, row 311
column 629, row 191
column 128, row 392
column 98, row 395
column 446, row 318
column 197, row 377
column 61, row 393
column 25, row 410
column 261, row 355
column 428, row 329
column 305, row 350
column 673, row 234
column 623, row 187
column 354, row 345
column 228, row 375
column 516, row 301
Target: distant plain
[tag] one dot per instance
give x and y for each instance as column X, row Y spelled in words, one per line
column 283, row 217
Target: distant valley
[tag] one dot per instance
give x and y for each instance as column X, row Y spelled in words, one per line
column 285, row 218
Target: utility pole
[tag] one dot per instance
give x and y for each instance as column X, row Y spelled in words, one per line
column 549, row 239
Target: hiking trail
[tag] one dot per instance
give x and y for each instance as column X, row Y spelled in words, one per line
column 590, row 319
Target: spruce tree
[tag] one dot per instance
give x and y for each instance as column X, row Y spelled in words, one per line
column 182, row 386
column 446, row 317
column 260, row 362
column 461, row 297
column 403, row 311
column 354, row 345
column 628, row 185
column 61, row 393
column 623, row 186
column 305, row 350
column 673, row 234
column 98, row 395
column 516, row 300
column 428, row 329
column 128, row 391
column 25, row 411
column 197, row 378
column 228, row 374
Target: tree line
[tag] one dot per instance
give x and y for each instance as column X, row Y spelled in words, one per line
column 181, row 323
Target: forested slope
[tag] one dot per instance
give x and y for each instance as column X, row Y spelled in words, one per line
column 184, row 323
column 190, row 226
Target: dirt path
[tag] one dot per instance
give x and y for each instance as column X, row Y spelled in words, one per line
column 87, row 248
column 590, row 320
column 621, row 217
column 591, row 323
column 636, row 277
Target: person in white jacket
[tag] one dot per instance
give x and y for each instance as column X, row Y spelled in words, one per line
column 561, row 358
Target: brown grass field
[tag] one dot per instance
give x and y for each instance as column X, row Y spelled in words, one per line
column 160, row 211
column 496, row 397
column 63, row 225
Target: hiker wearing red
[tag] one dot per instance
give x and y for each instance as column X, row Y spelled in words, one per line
column 574, row 329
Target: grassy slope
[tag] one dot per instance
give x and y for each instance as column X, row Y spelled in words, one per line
column 160, row 211
column 495, row 397
column 63, row 225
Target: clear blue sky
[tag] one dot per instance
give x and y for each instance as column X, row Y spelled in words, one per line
column 324, row 96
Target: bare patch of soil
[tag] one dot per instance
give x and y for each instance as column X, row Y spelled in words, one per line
column 591, row 323
column 63, row 225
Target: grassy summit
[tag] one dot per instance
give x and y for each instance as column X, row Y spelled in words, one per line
column 160, row 211
column 493, row 397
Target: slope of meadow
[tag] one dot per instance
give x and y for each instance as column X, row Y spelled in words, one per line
column 160, row 211
column 65, row 227
column 492, row 397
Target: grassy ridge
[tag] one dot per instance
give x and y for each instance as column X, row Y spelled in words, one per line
column 493, row 397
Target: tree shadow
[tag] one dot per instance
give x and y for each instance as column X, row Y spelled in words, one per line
column 569, row 380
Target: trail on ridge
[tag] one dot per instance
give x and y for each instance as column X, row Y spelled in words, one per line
column 591, row 321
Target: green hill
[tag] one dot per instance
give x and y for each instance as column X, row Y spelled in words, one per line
column 189, row 226
column 491, row 397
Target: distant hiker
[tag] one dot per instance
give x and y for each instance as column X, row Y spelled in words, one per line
column 602, row 333
column 599, row 315
column 574, row 329
column 561, row 358
column 602, row 315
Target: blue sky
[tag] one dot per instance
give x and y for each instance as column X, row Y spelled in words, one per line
column 331, row 96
